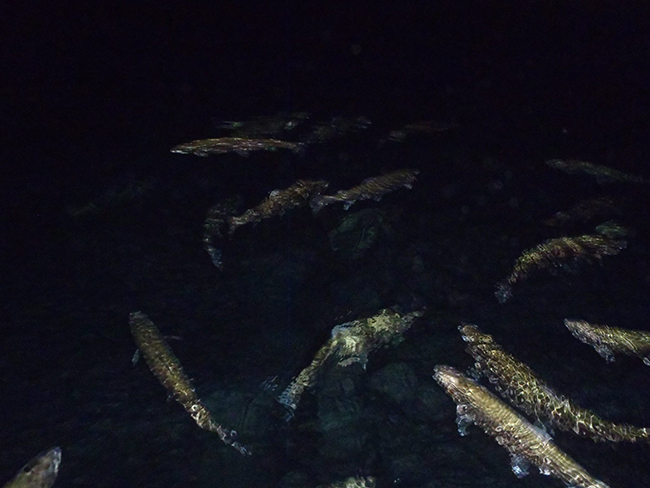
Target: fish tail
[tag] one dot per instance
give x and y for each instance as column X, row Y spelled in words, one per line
column 299, row 148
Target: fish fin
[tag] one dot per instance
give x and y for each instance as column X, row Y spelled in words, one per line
column 242, row 152
column 136, row 357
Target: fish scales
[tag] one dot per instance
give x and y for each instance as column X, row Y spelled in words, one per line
column 239, row 145
column 608, row 341
column 371, row 188
column 558, row 252
column 168, row 370
column 519, row 384
column 350, row 343
column 511, row 430
column 278, row 202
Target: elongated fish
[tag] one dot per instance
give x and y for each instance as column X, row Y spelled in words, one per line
column 353, row 482
column 608, row 341
column 167, row 368
column 519, row 384
column 374, row 187
column 525, row 442
column 603, row 174
column 557, row 253
column 278, row 202
column 239, row 145
column 350, row 343
column 39, row 472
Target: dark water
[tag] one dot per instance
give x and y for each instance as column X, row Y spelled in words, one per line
column 87, row 132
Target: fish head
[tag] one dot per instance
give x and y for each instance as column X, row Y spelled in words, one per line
column 472, row 335
column 581, row 329
column 450, row 379
column 40, row 471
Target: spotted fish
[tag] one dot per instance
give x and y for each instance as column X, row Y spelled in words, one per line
column 525, row 442
column 168, row 370
column 370, row 188
column 608, row 341
column 239, row 145
column 519, row 384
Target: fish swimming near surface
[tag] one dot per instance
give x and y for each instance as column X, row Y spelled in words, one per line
column 266, row 126
column 350, row 343
column 39, row 472
column 526, row 443
column 278, row 202
column 520, row 385
column 374, row 187
column 586, row 210
column 353, row 482
column 562, row 252
column 608, row 341
column 603, row 174
column 240, row 145
column 168, row 370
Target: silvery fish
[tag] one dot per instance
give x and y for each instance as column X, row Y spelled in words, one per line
column 526, row 443
column 39, row 472
column 374, row 187
column 239, row 145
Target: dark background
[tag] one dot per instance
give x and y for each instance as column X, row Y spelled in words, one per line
column 94, row 94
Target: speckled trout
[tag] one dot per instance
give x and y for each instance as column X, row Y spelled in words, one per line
column 39, row 472
column 374, row 187
column 239, row 145
column 608, row 341
column 525, row 442
column 167, row 368
column 520, row 385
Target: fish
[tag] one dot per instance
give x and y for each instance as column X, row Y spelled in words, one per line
column 561, row 252
column 39, row 472
column 336, row 127
column 278, row 202
column 603, row 174
column 526, row 443
column 350, row 343
column 214, row 224
column 168, row 370
column 272, row 126
column 374, row 187
column 585, row 210
column 608, row 341
column 422, row 127
column 353, row 482
column 239, row 145
column 518, row 383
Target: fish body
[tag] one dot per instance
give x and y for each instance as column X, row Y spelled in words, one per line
column 603, row 174
column 559, row 252
column 608, row 341
column 278, row 202
column 586, row 210
column 239, row 145
column 350, row 343
column 39, row 472
column 525, row 442
column 273, row 126
column 353, row 482
column 374, row 187
column 168, row 370
column 519, row 384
